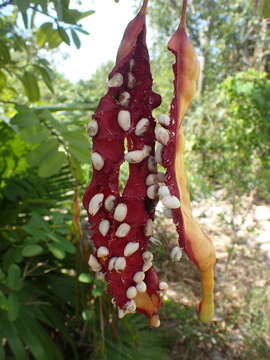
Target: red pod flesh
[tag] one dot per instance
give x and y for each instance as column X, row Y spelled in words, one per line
column 118, row 221
column 192, row 239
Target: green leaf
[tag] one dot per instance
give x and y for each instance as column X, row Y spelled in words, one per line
column 14, row 340
column 58, row 253
column 75, row 39
column 62, row 243
column 42, row 34
column 85, row 278
column 31, row 87
column 46, row 77
column 2, row 353
column 14, row 280
column 22, row 5
column 25, row 119
column 4, row 52
column 58, row 8
column 3, row 80
column 63, row 34
column 83, row 31
column 52, row 164
column 266, row 9
column 13, row 307
column 32, row 250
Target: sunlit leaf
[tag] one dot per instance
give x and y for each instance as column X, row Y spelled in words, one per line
column 31, row 87
column 63, row 34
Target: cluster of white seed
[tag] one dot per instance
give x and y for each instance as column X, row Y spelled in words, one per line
column 155, row 189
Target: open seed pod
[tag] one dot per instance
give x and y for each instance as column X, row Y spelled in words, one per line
column 118, row 221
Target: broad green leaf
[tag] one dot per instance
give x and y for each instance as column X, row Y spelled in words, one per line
column 58, row 8
column 72, row 16
column 85, row 278
column 22, row 4
column 2, row 353
column 25, row 119
column 62, row 243
column 4, row 52
column 43, row 33
column 3, row 80
column 45, row 150
column 75, row 39
column 32, row 250
column 56, row 251
column 266, row 9
column 14, row 280
column 14, row 340
column 31, row 87
column 54, row 40
column 46, row 77
column 63, row 34
column 52, row 164
column 3, row 301
column 13, row 307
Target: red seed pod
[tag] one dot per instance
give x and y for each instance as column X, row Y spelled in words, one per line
column 118, row 220
column 192, row 240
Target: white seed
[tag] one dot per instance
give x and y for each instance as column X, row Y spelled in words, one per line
column 137, row 156
column 123, row 119
column 164, row 119
column 158, row 154
column 163, row 191
column 113, row 301
column 122, row 230
column 109, row 202
column 151, row 179
column 100, row 276
column 163, row 286
column 154, row 241
column 176, row 253
column 92, row 128
column 131, row 292
column 171, row 202
column 152, row 165
column 120, row 264
column 154, row 321
column 112, row 263
column 131, row 80
column 102, row 251
column 141, row 286
column 95, row 203
column 147, row 266
column 97, row 160
column 152, row 191
column 116, row 80
column 131, row 248
column 147, row 256
column 103, row 227
column 148, row 229
column 94, row 264
column 131, row 64
column 162, row 135
column 130, row 306
column 139, row 276
column 141, row 126
column 168, row 213
column 121, row 313
column 120, row 212
column 124, row 98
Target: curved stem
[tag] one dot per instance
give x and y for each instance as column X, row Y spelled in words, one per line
column 183, row 14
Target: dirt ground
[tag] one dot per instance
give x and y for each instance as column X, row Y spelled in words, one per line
column 241, row 327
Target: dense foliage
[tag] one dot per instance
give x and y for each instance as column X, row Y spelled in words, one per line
column 50, row 306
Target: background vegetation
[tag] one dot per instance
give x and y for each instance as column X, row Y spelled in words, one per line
column 50, row 306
